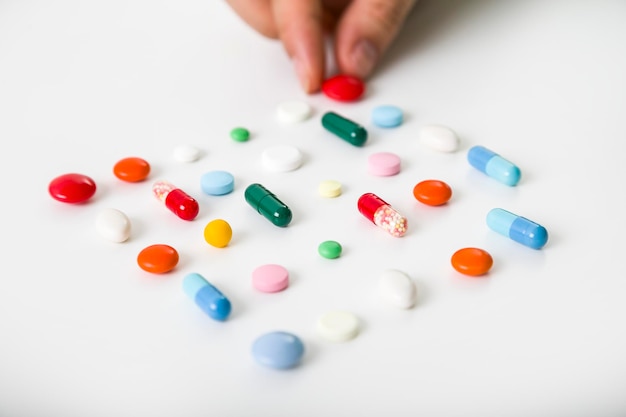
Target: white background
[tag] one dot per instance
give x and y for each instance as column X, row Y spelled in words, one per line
column 85, row 332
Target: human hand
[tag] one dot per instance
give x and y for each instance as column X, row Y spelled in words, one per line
column 362, row 29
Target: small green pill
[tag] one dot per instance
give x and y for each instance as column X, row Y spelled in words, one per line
column 344, row 128
column 329, row 249
column 268, row 205
column 240, row 134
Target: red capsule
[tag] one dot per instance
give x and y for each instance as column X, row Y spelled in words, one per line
column 175, row 199
column 382, row 214
column 343, row 88
column 72, row 188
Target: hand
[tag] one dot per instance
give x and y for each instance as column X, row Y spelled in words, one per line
column 363, row 30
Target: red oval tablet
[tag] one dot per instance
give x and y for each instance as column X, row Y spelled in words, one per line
column 157, row 259
column 343, row 88
column 72, row 188
column 472, row 261
column 432, row 192
column 131, row 169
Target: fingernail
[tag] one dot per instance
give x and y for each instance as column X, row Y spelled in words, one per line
column 302, row 73
column 364, row 57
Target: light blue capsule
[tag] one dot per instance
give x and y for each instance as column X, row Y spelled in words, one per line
column 494, row 165
column 206, row 296
column 517, row 228
column 279, row 350
column 387, row 116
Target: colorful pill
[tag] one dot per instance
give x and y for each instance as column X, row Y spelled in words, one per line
column 343, row 88
column 270, row 278
column 240, row 134
column 382, row 214
column 217, row 182
column 157, row 259
column 432, row 192
column 337, row 326
column 218, row 233
column 175, row 199
column 329, row 188
column 517, row 228
column 72, row 188
column 472, row 261
column 387, row 116
column 206, row 296
column 494, row 165
column 268, row 205
column 131, row 169
column 329, row 249
column 344, row 128
column 278, row 350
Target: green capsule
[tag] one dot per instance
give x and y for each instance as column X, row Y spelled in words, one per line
column 268, row 205
column 344, row 128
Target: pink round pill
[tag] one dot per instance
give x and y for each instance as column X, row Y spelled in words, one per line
column 270, row 278
column 383, row 164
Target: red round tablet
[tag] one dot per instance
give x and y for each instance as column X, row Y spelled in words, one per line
column 432, row 192
column 72, row 188
column 131, row 169
column 343, row 88
column 157, row 259
column 472, row 261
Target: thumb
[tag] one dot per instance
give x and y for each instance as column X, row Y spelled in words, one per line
column 365, row 31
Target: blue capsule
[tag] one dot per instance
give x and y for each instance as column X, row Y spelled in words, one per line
column 206, row 296
column 517, row 228
column 494, row 165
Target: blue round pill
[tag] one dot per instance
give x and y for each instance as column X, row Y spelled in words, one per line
column 387, row 116
column 278, row 350
column 217, row 182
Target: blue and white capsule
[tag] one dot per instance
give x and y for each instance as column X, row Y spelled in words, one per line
column 517, row 228
column 492, row 164
column 206, row 296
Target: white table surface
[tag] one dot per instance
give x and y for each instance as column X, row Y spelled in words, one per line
column 85, row 332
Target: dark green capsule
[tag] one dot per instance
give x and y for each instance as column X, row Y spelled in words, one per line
column 344, row 128
column 266, row 203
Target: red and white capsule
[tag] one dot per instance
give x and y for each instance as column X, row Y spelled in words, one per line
column 179, row 202
column 382, row 214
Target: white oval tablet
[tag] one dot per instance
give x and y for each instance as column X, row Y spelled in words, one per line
column 291, row 112
column 439, row 138
column 338, row 326
column 397, row 289
column 281, row 158
column 113, row 225
column 186, row 153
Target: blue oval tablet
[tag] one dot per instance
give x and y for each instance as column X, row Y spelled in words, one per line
column 387, row 116
column 217, row 182
column 278, row 350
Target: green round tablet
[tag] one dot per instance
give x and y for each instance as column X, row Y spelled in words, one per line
column 329, row 249
column 240, row 134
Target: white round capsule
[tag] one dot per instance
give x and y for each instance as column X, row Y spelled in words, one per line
column 281, row 158
column 113, row 225
column 439, row 138
column 397, row 289
column 186, row 153
column 291, row 112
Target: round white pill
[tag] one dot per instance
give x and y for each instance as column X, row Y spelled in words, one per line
column 281, row 158
column 113, row 225
column 397, row 289
column 338, row 326
column 186, row 153
column 439, row 138
column 329, row 188
column 291, row 112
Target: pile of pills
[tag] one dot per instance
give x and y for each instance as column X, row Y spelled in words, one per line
column 282, row 349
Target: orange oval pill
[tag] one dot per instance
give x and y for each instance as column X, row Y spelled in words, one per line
column 131, row 169
column 472, row 261
column 432, row 192
column 157, row 259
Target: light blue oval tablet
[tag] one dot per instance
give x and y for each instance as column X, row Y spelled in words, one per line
column 278, row 350
column 387, row 116
column 217, row 182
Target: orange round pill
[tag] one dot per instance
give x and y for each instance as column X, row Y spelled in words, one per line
column 157, row 259
column 131, row 169
column 472, row 261
column 432, row 192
